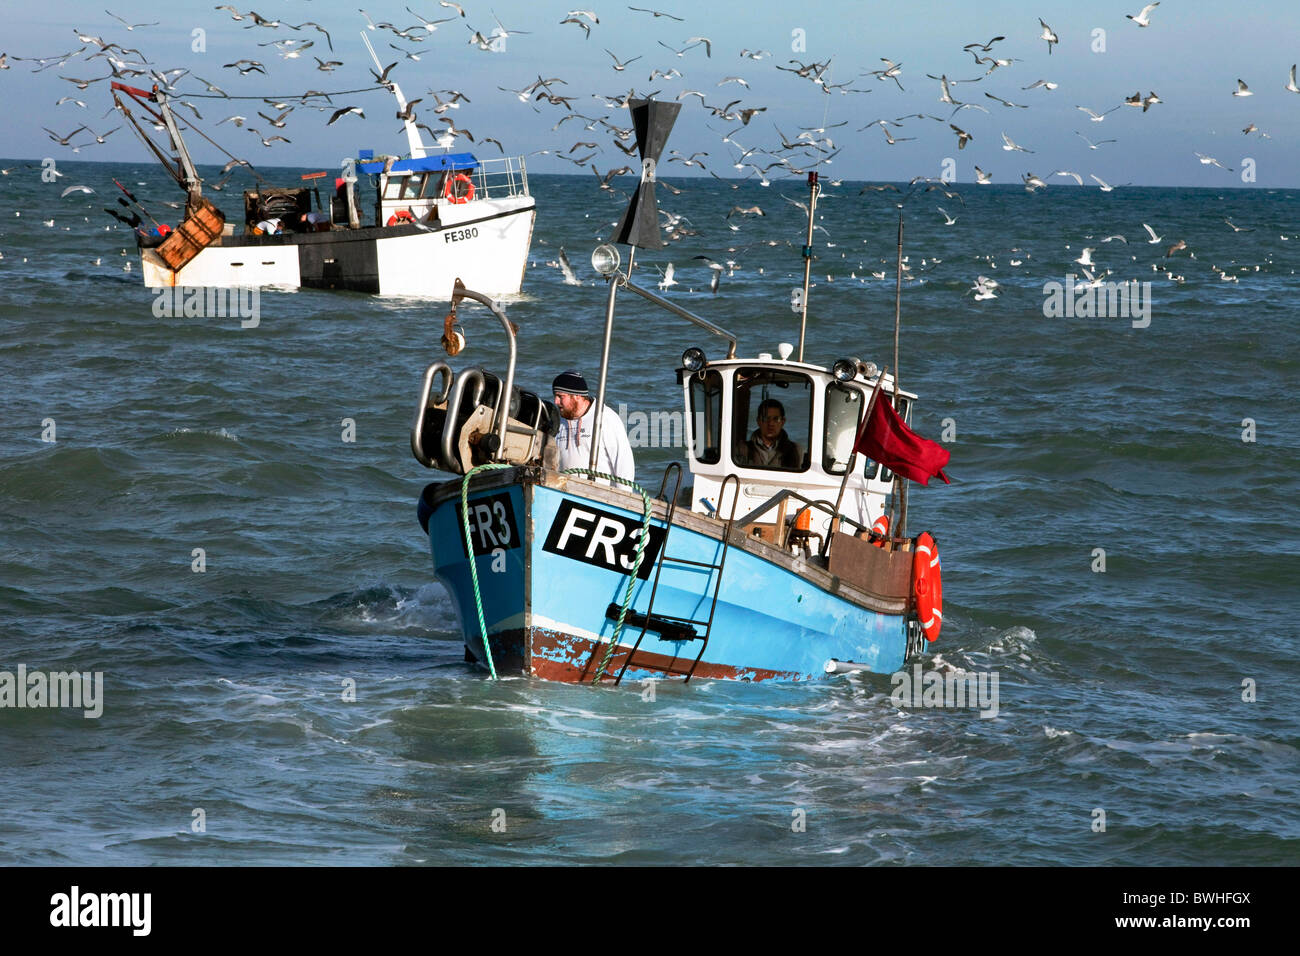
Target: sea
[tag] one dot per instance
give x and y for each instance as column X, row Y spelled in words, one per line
column 218, row 519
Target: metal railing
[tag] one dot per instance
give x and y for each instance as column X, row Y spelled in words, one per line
column 505, row 176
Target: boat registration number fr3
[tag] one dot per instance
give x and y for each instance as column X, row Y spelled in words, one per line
column 492, row 524
column 601, row 538
column 457, row 235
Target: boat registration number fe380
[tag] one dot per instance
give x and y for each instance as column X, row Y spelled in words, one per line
column 457, row 235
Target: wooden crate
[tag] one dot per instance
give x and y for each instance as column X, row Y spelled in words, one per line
column 200, row 228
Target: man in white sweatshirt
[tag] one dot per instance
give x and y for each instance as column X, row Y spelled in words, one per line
column 578, row 419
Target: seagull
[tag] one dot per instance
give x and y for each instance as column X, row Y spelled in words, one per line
column 567, row 268
column 1046, row 84
column 1180, row 244
column 252, row 65
column 1065, row 172
column 1242, row 89
column 1032, row 182
column 1105, row 186
column 339, row 114
column 657, row 13
column 63, row 141
column 963, row 137
column 1097, row 117
column 621, row 65
column 585, row 26
column 667, row 279
column 1143, row 19
column 1086, row 258
column 983, row 288
column 129, row 26
column 1291, row 84
column 1010, row 146
column 1048, row 35
column 327, row 66
column 1152, row 233
column 948, row 220
column 88, row 191
column 982, row 178
column 1237, row 228
column 1091, row 144
column 452, row 6
column 1210, row 161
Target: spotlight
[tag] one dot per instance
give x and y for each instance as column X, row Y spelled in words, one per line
column 605, row 259
column 693, row 359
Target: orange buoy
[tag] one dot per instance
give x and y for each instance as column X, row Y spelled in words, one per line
column 401, row 216
column 927, row 585
column 880, row 531
column 803, row 522
column 459, row 189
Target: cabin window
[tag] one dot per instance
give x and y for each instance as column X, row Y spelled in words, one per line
column 843, row 409
column 706, row 418
column 771, row 419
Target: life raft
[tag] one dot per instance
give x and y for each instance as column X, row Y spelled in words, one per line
column 401, row 216
column 927, row 586
column 459, row 189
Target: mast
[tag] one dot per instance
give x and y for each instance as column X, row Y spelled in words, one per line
column 192, row 183
column 813, row 189
column 413, row 140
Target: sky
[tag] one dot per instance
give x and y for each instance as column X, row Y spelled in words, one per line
column 1192, row 55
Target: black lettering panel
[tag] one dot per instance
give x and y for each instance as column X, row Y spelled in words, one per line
column 492, row 524
column 597, row 537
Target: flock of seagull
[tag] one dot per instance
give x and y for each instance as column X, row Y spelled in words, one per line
column 810, row 148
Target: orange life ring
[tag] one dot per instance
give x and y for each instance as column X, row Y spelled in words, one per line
column 881, row 528
column 927, row 586
column 452, row 190
column 402, row 215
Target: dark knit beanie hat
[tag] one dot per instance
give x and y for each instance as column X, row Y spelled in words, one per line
column 572, row 383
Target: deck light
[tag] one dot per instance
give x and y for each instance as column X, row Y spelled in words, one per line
column 605, row 259
column 844, row 369
column 868, row 369
column 693, row 359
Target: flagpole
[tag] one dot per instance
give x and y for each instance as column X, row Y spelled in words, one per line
column 853, row 458
column 898, row 506
column 807, row 258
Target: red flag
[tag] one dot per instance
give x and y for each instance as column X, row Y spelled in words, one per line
column 886, row 439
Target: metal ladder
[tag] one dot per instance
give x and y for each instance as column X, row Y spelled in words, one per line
column 682, row 628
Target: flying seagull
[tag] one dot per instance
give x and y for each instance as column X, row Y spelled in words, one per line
column 1143, row 19
column 1048, row 35
column 1242, row 89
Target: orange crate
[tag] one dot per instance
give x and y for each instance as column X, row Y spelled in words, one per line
column 196, row 232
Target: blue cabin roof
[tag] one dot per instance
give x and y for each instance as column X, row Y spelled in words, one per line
column 433, row 164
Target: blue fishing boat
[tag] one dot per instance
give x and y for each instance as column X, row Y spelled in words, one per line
column 773, row 561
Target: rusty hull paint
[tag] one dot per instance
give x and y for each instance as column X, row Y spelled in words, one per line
column 569, row 659
column 566, row 657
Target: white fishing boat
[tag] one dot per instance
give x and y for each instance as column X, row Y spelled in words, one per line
column 386, row 225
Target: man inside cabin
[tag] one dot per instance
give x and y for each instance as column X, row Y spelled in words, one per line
column 769, row 446
column 578, row 419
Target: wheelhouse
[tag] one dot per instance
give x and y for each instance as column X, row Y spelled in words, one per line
column 786, row 429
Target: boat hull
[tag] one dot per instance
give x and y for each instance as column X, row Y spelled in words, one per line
column 553, row 554
column 484, row 244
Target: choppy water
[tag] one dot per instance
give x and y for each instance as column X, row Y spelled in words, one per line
column 1119, row 691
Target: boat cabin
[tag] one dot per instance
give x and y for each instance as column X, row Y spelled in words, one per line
column 786, row 430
